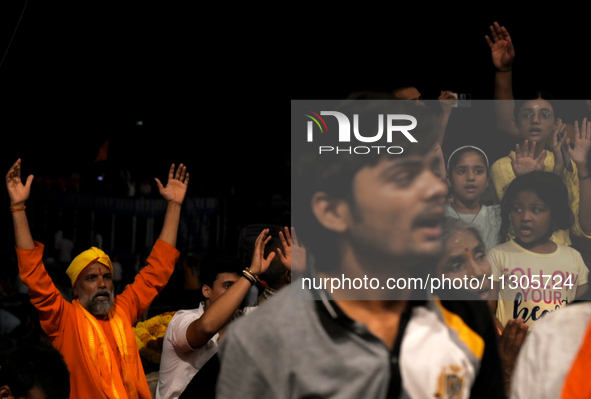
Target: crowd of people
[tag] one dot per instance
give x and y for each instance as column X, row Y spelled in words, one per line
column 256, row 331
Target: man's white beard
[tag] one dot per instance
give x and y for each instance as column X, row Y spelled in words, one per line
column 97, row 308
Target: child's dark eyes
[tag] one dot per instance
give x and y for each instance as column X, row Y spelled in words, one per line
column 476, row 171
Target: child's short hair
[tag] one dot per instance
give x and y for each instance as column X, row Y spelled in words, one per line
column 550, row 188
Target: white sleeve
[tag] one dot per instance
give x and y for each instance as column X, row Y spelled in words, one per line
column 528, row 375
column 176, row 332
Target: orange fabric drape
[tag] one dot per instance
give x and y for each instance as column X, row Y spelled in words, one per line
column 577, row 384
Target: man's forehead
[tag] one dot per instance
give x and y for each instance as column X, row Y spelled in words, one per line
column 95, row 268
column 409, row 160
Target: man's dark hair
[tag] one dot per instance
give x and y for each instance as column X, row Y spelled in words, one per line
column 35, row 366
column 333, row 173
column 550, row 188
column 216, row 263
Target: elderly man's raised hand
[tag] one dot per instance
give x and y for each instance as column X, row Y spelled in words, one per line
column 17, row 191
column 176, row 188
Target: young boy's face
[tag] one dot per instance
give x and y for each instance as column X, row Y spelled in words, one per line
column 220, row 286
column 535, row 121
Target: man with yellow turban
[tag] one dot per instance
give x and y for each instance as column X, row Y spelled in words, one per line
column 94, row 333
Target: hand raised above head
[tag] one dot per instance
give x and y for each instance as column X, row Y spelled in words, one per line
column 259, row 264
column 582, row 144
column 524, row 161
column 501, row 47
column 558, row 131
column 17, row 191
column 447, row 100
column 176, row 188
column 293, row 255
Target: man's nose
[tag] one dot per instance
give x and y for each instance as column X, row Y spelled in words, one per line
column 435, row 188
column 101, row 282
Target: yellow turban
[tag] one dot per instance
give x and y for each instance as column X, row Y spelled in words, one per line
column 86, row 259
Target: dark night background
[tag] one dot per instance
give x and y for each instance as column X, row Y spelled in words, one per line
column 205, row 82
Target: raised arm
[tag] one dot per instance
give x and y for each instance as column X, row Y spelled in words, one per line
column 293, row 255
column 19, row 194
column 446, row 100
column 219, row 313
column 174, row 193
column 503, row 54
column 44, row 294
column 579, row 155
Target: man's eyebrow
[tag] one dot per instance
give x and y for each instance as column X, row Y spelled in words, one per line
column 404, row 163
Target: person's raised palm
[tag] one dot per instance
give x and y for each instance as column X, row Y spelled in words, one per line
column 176, row 188
column 501, row 47
column 17, row 191
column 582, row 144
column 524, row 161
column 259, row 264
column 293, row 255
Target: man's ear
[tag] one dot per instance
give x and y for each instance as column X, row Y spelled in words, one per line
column 5, row 392
column 332, row 213
column 206, row 291
column 75, row 292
